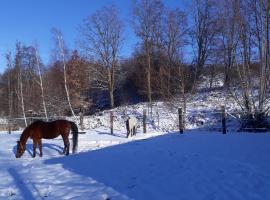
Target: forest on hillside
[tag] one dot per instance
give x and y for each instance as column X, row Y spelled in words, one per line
column 177, row 50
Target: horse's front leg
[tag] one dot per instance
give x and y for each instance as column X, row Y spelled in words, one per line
column 40, row 148
column 64, row 150
column 68, row 144
column 34, row 147
column 134, row 130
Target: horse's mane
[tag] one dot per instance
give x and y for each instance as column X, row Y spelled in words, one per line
column 26, row 132
column 37, row 122
column 25, row 135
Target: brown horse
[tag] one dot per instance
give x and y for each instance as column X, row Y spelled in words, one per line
column 48, row 130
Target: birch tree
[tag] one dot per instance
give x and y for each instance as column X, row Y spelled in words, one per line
column 40, row 83
column 252, row 91
column 60, row 43
column 9, row 71
column 18, row 59
column 265, row 54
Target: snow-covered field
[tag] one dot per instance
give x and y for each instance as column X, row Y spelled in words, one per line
column 194, row 165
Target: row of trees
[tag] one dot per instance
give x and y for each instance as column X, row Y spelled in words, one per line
column 177, row 48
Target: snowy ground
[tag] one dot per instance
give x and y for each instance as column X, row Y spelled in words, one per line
column 195, row 165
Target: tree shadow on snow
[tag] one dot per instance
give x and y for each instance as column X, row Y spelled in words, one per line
column 120, row 135
column 24, row 190
column 170, row 166
column 129, row 168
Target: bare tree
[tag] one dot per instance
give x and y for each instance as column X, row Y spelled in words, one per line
column 175, row 39
column 265, row 53
column 102, row 37
column 203, row 34
column 227, row 18
column 251, row 55
column 18, row 63
column 146, row 21
column 40, row 83
column 60, row 42
column 9, row 68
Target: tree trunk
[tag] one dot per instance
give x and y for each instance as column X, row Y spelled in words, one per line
column 111, row 86
column 9, row 86
column 61, row 46
column 21, row 95
column 149, row 90
column 41, row 86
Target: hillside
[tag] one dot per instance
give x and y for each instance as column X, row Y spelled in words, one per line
column 203, row 112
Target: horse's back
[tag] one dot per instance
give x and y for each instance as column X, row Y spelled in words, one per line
column 53, row 129
column 133, row 121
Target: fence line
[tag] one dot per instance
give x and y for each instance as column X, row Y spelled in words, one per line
column 54, row 117
column 177, row 120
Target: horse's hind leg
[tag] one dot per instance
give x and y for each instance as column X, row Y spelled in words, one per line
column 66, row 144
column 64, row 150
column 34, row 147
column 134, row 131
column 40, row 148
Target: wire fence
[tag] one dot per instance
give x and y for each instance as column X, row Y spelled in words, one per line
column 160, row 119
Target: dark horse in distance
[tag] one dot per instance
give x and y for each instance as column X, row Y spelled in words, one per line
column 48, row 130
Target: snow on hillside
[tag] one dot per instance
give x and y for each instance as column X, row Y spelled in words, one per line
column 194, row 165
column 203, row 112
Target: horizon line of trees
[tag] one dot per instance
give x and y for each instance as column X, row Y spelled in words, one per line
column 228, row 38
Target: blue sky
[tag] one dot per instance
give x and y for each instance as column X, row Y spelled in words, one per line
column 31, row 21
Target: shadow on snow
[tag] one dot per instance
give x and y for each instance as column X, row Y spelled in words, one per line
column 172, row 166
column 127, row 168
column 24, row 190
column 29, row 148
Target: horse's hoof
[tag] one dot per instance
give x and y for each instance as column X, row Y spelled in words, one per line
column 40, row 155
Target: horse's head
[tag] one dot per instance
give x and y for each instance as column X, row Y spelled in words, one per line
column 20, row 149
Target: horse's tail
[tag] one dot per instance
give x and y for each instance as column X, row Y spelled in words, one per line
column 75, row 134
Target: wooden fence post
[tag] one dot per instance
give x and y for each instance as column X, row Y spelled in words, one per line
column 223, row 119
column 181, row 124
column 144, row 120
column 9, row 126
column 31, row 116
column 158, row 118
column 111, row 120
column 81, row 120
